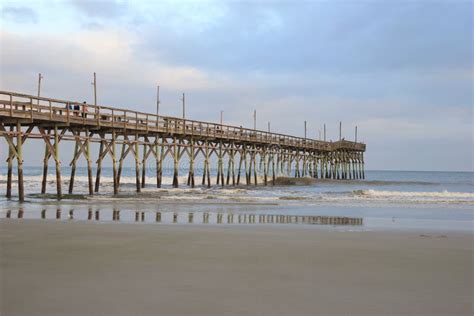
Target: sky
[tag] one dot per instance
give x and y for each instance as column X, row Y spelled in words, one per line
column 402, row 71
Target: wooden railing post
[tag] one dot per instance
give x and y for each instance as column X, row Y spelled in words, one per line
column 11, row 105
column 31, row 109
column 67, row 112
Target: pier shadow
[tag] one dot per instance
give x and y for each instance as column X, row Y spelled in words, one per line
column 168, row 217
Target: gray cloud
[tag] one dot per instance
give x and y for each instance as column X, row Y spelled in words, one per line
column 99, row 9
column 341, row 37
column 19, row 14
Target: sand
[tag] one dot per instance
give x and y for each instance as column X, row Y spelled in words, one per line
column 78, row 268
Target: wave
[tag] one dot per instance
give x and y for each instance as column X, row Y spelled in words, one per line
column 442, row 194
column 415, row 197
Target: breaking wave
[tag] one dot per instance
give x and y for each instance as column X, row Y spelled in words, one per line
column 443, row 196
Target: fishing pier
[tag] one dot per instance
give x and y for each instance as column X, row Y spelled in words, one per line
column 237, row 152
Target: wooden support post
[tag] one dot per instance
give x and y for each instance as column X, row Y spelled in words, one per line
column 330, row 166
column 73, row 166
column 219, row 161
column 231, row 165
column 354, row 166
column 204, row 172
column 315, row 166
column 304, row 172
column 114, row 162
column 255, row 165
column 45, row 167
column 58, row 163
column 157, row 150
column 346, row 167
column 137, row 164
column 220, row 166
column 357, row 166
column 160, row 163
column 327, row 166
column 191, row 164
column 89, row 163
column 248, row 168
column 273, row 168
column 265, row 165
column 289, row 161
column 340, row 165
column 122, row 157
column 99, row 162
column 278, row 161
column 349, row 166
column 297, row 164
column 19, row 150
column 10, row 169
column 208, row 169
column 324, row 167
column 242, row 155
column 175, row 163
column 343, row 165
column 144, row 165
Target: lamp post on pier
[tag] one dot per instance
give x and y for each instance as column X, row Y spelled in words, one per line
column 157, row 100
column 340, row 131
column 95, row 89
column 255, row 119
column 184, row 106
column 39, row 87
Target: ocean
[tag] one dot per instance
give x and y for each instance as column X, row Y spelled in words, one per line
column 384, row 200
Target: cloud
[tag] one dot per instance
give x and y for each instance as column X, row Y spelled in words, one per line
column 19, row 14
column 103, row 9
column 340, row 37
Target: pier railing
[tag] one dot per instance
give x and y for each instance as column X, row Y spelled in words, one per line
column 28, row 107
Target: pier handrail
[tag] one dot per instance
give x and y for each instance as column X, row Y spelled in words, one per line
column 118, row 117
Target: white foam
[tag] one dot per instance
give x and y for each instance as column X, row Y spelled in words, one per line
column 415, row 197
column 410, row 194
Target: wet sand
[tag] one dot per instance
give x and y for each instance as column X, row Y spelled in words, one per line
column 80, row 268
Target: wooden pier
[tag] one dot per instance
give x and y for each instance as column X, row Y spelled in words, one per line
column 258, row 155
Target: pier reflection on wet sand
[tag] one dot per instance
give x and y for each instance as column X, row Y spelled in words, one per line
column 128, row 216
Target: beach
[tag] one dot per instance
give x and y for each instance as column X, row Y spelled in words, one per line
column 105, row 268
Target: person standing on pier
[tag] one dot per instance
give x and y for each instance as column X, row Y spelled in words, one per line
column 76, row 109
column 84, row 109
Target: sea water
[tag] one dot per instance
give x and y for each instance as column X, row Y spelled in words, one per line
column 385, row 199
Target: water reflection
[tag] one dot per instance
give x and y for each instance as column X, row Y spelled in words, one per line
column 205, row 217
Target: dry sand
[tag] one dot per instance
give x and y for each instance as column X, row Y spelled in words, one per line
column 78, row 268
